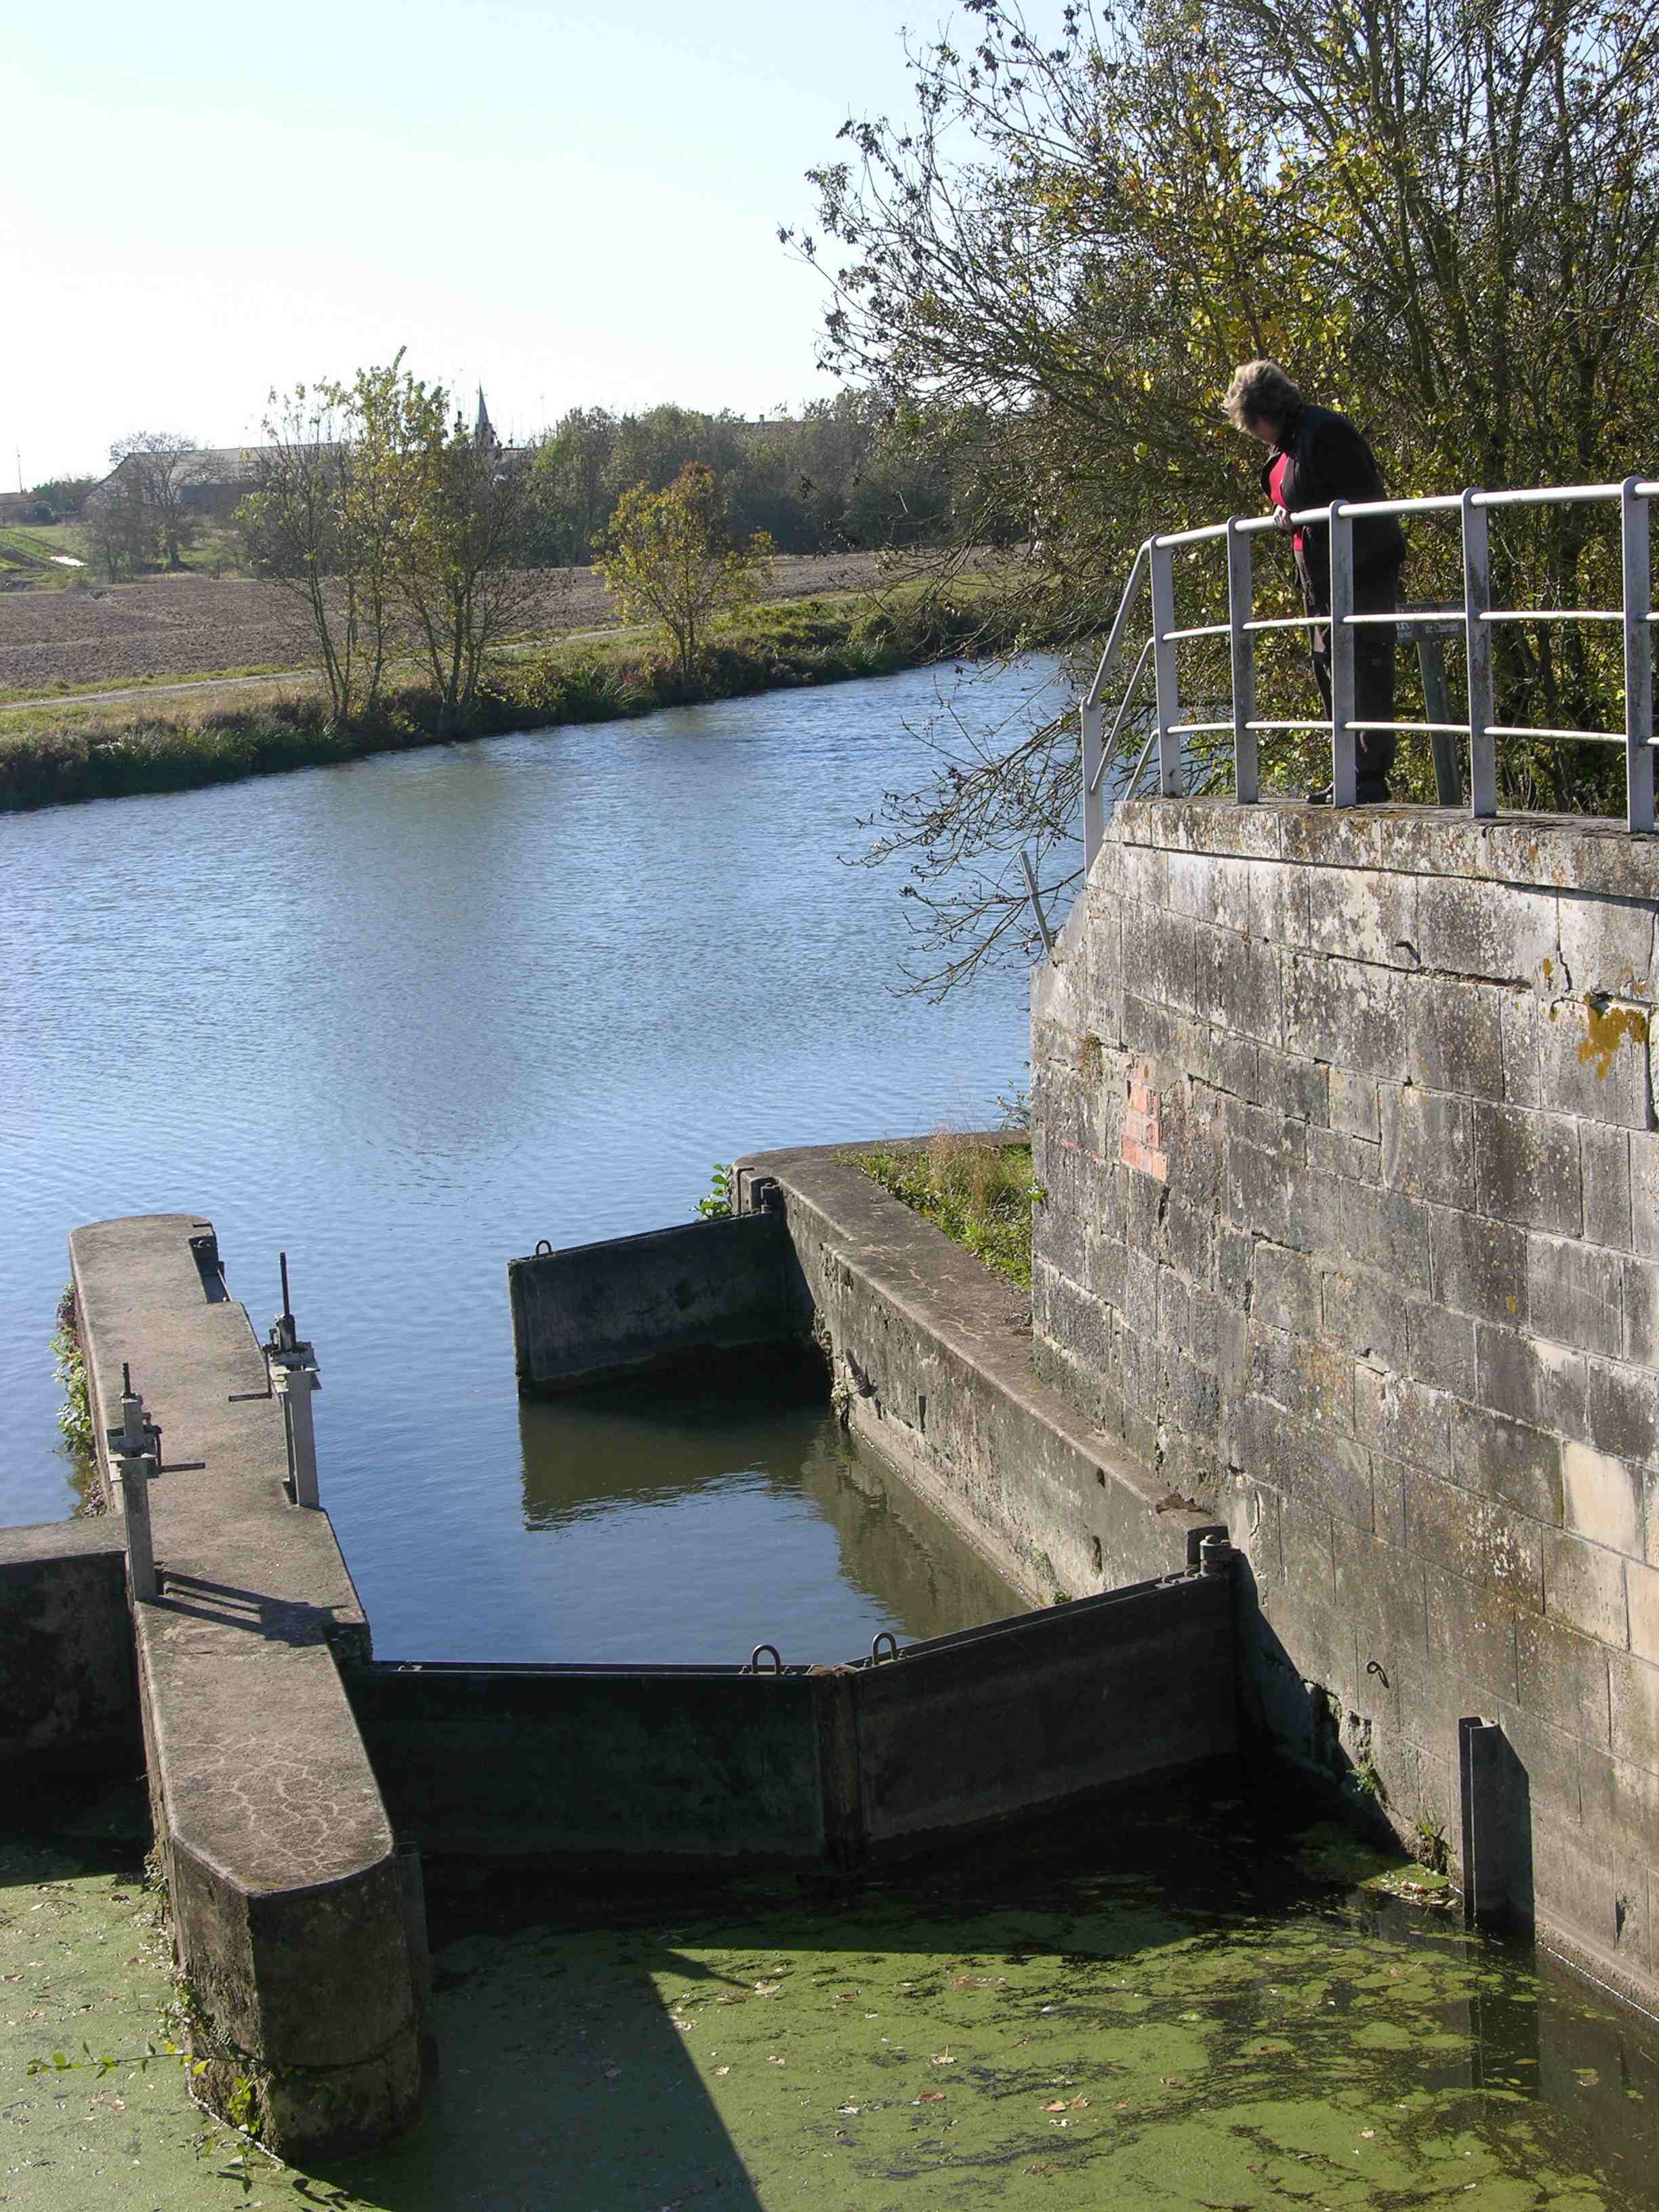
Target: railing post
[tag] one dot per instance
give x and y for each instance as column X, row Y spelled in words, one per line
column 1171, row 780
column 1240, row 603
column 1476, row 637
column 1636, row 529
column 1344, row 763
column 1094, row 796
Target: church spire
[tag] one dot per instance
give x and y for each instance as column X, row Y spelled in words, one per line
column 483, row 430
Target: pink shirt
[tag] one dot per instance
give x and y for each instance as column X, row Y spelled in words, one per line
column 1276, row 486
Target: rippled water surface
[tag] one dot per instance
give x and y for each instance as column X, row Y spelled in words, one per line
column 404, row 1018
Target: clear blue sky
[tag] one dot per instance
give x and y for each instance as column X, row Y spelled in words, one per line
column 575, row 204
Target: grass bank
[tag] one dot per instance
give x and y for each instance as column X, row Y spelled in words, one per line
column 980, row 1194
column 58, row 757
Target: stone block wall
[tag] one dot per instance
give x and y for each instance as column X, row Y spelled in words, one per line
column 1345, row 1124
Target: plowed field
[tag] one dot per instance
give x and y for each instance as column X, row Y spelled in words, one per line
column 195, row 626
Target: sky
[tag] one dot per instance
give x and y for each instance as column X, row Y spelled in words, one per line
column 576, row 205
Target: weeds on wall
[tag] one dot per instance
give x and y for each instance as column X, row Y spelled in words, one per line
column 75, row 1414
column 716, row 1206
column 980, row 1195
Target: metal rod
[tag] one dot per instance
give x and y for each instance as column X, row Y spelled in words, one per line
column 1170, row 538
column 1291, row 725
column 1241, row 598
column 1204, row 629
column 1109, row 750
column 1529, row 729
column 1197, row 729
column 1119, row 625
column 1170, row 772
column 1043, row 930
column 1636, row 533
column 293, row 1386
column 1094, row 765
column 133, row 1470
column 1550, row 495
column 1431, row 667
column 1416, row 729
column 1286, row 622
column 1408, row 621
column 1344, row 751
column 1140, row 766
column 287, row 1308
column 1477, row 639
column 1554, row 614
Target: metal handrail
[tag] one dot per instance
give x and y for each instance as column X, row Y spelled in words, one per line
column 1473, row 622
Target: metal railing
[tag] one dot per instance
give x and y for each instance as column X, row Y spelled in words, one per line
column 1154, row 566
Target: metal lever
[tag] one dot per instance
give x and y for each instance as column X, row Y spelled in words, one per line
column 293, row 1368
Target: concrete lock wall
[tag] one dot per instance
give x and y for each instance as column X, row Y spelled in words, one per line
column 931, row 1364
column 1351, row 1232
column 595, row 1314
column 646, row 1767
column 290, row 1910
column 69, row 1688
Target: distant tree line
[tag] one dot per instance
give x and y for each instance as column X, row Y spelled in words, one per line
column 842, row 474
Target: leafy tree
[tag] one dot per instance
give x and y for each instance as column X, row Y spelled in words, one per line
column 668, row 557
column 321, row 522
column 1441, row 215
column 393, row 531
column 119, row 527
column 570, row 497
column 459, row 507
column 64, row 495
column 162, row 464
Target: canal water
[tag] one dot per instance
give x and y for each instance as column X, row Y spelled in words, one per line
column 1181, row 2006
column 403, row 1018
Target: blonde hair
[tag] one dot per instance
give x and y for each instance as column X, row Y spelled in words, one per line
column 1260, row 392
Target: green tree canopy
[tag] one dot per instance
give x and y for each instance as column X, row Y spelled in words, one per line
column 668, row 557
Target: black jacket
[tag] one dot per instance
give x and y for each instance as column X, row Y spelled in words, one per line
column 1330, row 459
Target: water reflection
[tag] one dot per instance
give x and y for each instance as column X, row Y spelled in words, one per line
column 686, row 1525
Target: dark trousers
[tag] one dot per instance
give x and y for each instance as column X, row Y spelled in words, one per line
column 1373, row 680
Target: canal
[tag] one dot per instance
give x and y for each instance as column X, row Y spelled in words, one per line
column 405, row 1018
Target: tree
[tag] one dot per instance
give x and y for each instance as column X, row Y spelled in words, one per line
column 392, row 530
column 569, row 495
column 460, row 509
column 64, row 495
column 162, row 464
column 320, row 523
column 1443, row 214
column 668, row 557
column 119, row 527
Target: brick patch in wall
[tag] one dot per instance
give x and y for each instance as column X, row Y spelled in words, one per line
column 1143, row 1140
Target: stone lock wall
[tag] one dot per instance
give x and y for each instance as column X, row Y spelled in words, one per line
column 1351, row 1232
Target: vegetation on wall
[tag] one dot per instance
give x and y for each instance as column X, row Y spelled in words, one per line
column 980, row 1195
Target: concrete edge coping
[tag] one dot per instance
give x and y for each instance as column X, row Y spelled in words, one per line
column 971, row 1320
column 1594, row 853
column 40, row 1542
